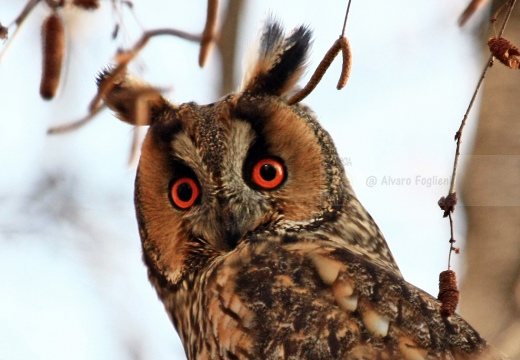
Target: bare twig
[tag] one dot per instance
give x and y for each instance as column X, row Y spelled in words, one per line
column 458, row 135
column 18, row 22
column 208, row 35
column 137, row 139
column 228, row 48
column 448, row 203
column 470, row 10
column 494, row 19
column 60, row 129
column 346, row 17
column 506, row 19
column 142, row 117
column 25, row 12
column 452, row 241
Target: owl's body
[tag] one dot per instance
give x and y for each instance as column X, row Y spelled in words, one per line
column 254, row 239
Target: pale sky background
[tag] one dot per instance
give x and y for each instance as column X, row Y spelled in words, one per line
column 72, row 283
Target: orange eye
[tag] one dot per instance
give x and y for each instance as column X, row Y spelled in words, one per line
column 185, row 192
column 268, row 173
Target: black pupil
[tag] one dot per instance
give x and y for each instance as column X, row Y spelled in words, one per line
column 184, row 192
column 268, row 172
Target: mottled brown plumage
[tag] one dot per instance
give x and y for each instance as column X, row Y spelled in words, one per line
column 299, row 270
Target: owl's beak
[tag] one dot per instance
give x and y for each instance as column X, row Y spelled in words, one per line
column 232, row 231
column 232, row 238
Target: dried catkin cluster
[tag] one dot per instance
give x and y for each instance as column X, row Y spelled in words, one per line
column 505, row 52
column 448, row 292
column 86, row 4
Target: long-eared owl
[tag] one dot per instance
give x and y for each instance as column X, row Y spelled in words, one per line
column 255, row 240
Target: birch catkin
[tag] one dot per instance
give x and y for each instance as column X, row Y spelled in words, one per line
column 53, row 49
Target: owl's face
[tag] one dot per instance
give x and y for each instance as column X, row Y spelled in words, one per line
column 209, row 175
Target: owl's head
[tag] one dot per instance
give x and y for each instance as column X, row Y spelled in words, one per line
column 209, row 176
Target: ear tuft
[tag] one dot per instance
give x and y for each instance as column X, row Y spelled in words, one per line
column 279, row 61
column 103, row 74
column 133, row 100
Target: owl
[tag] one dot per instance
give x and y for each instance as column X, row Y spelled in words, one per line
column 253, row 237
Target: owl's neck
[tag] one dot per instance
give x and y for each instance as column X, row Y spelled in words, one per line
column 348, row 222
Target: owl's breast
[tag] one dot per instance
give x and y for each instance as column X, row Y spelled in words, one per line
column 285, row 297
column 261, row 301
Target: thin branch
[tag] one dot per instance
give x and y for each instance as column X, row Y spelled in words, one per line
column 135, row 148
column 470, row 10
column 60, row 129
column 458, row 135
column 25, row 12
column 18, row 22
column 228, row 48
column 346, row 17
column 448, row 203
column 494, row 19
column 508, row 15
column 452, row 240
column 208, row 35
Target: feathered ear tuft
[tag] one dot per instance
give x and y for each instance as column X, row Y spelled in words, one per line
column 133, row 101
column 279, row 61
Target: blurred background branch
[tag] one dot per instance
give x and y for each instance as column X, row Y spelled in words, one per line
column 491, row 192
